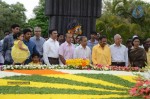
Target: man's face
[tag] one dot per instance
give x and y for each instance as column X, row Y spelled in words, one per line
column 147, row 45
column 37, row 32
column 69, row 38
column 84, row 41
column 103, row 42
column 118, row 40
column 93, row 36
column 61, row 38
column 15, row 30
column 129, row 45
column 27, row 35
column 54, row 35
column 77, row 39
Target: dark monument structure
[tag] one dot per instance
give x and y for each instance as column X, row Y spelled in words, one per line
column 62, row 12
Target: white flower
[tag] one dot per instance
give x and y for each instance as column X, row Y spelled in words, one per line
column 11, row 68
column 8, row 67
column 144, row 85
column 4, row 68
column 146, row 75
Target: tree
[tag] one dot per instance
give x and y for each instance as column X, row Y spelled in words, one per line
column 40, row 19
column 117, row 19
column 10, row 14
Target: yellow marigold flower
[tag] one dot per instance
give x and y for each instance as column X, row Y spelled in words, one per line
column 78, row 62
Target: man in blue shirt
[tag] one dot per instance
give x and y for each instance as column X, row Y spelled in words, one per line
column 38, row 40
column 8, row 43
column 31, row 45
column 92, row 42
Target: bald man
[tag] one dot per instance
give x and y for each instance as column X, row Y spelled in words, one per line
column 66, row 49
column 119, row 54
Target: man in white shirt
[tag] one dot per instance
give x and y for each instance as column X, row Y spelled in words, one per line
column 51, row 48
column 83, row 51
column 119, row 53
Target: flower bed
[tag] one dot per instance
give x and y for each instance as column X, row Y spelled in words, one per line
column 87, row 67
column 142, row 86
column 81, row 86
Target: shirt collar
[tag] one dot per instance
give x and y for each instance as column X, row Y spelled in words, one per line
column 50, row 39
column 95, row 41
column 11, row 34
column 117, row 46
column 80, row 46
column 37, row 38
column 66, row 43
column 26, row 41
column 101, row 47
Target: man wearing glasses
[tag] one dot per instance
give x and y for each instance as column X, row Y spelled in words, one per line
column 38, row 40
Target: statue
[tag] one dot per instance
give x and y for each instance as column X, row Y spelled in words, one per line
column 62, row 12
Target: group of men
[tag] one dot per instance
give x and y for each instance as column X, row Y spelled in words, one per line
column 98, row 52
column 52, row 52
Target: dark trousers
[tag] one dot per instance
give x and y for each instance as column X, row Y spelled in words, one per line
column 53, row 61
column 118, row 64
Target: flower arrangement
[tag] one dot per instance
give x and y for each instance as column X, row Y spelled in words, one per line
column 24, row 67
column 142, row 86
column 78, row 62
column 72, row 64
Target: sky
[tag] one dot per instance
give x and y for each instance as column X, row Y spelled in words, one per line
column 30, row 4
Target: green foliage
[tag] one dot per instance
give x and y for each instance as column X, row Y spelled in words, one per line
column 117, row 19
column 10, row 14
column 40, row 19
